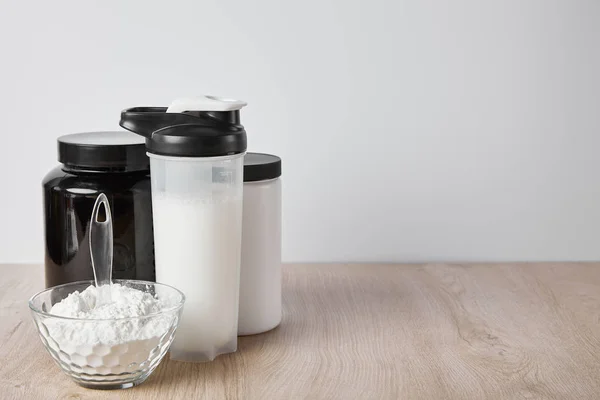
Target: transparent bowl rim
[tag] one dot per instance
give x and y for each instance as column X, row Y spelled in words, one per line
column 174, row 308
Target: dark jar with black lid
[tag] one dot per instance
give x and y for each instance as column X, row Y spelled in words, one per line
column 113, row 163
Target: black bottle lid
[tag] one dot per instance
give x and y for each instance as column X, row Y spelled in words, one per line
column 261, row 167
column 207, row 126
column 118, row 151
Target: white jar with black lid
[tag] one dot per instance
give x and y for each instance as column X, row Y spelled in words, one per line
column 260, row 274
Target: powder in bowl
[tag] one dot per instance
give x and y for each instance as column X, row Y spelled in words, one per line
column 111, row 338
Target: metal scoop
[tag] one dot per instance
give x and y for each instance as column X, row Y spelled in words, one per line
column 101, row 249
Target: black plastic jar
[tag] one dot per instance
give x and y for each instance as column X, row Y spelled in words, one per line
column 113, row 163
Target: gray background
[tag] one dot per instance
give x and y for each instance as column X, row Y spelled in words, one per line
column 410, row 130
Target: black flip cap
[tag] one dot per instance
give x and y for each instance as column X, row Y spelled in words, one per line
column 189, row 134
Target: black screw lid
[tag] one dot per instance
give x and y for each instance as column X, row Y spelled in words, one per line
column 117, row 151
column 261, row 167
column 187, row 134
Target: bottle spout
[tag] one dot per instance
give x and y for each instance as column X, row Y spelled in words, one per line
column 205, row 103
column 209, row 111
column 220, row 108
column 146, row 120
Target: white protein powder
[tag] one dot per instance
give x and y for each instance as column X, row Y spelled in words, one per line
column 197, row 250
column 110, row 346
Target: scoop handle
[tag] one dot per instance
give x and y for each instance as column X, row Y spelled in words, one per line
column 101, row 245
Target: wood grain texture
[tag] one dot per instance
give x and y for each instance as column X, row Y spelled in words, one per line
column 489, row 331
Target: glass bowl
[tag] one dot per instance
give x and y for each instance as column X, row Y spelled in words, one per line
column 88, row 351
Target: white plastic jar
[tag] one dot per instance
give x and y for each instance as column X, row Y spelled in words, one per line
column 260, row 271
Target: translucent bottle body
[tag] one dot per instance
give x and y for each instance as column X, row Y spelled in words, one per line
column 197, row 213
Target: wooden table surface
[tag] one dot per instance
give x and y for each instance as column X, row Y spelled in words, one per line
column 437, row 331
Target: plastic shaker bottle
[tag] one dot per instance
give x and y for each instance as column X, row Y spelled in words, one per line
column 196, row 149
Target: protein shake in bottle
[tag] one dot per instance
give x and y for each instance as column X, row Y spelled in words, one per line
column 196, row 149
